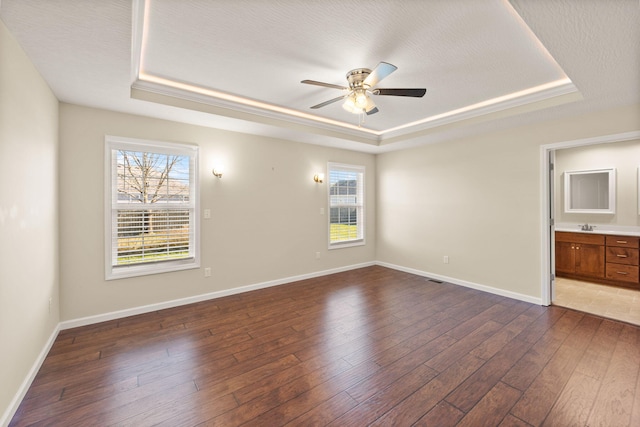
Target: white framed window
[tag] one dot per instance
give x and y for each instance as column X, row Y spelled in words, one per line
column 151, row 207
column 346, row 205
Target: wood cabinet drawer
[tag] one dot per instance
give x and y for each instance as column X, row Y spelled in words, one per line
column 623, row 241
column 590, row 239
column 621, row 272
column 622, row 255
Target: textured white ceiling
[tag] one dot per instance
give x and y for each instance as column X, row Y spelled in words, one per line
column 467, row 53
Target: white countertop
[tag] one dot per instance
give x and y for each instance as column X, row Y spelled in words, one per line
column 617, row 230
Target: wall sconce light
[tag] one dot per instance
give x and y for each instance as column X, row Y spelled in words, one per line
column 217, row 171
column 319, row 177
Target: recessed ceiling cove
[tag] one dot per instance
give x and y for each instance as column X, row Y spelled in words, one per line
column 246, row 59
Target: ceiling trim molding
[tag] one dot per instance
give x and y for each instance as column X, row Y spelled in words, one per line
column 534, row 97
column 235, row 110
column 518, row 99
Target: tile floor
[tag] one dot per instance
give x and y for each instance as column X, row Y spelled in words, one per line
column 606, row 301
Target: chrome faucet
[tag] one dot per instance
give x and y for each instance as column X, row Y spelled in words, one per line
column 586, row 227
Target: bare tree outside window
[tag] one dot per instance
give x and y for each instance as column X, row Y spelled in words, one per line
column 157, row 183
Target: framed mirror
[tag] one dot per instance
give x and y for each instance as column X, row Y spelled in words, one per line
column 591, row 191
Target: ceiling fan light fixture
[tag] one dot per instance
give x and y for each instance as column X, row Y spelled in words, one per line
column 361, row 98
column 358, row 102
column 351, row 105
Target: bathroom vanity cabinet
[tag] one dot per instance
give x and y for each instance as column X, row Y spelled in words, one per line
column 580, row 254
column 608, row 259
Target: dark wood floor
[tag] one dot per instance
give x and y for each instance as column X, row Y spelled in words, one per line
column 367, row 347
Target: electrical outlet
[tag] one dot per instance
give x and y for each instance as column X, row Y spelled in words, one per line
column 445, row 259
column 50, row 302
column 207, row 214
column 317, row 255
column 207, row 272
column 321, row 211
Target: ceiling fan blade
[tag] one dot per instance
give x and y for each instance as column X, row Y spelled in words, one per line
column 381, row 71
column 372, row 111
column 416, row 93
column 331, row 101
column 313, row 82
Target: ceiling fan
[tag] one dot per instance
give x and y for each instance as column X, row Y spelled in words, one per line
column 362, row 84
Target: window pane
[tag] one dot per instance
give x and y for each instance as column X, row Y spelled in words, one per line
column 146, row 177
column 343, row 224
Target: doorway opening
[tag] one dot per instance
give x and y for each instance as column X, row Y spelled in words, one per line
column 620, row 303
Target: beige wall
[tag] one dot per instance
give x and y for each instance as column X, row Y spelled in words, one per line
column 478, row 201
column 625, row 158
column 28, row 217
column 266, row 223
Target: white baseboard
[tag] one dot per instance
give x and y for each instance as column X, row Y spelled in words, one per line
column 24, row 387
column 466, row 284
column 89, row 320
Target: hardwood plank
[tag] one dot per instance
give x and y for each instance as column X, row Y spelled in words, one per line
column 241, row 377
column 511, row 421
column 596, row 359
column 325, row 412
column 96, row 377
column 523, row 373
column 288, row 401
column 547, row 320
column 442, row 415
column 317, row 367
column 386, row 351
column 429, row 395
column 614, row 401
column 478, row 384
column 491, row 346
column 538, row 399
column 635, row 412
column 575, row 402
column 369, row 346
column 392, row 354
column 493, row 407
column 444, row 359
column 295, row 410
column 385, row 399
column 390, row 373
column 260, row 410
column 185, row 410
column 84, row 407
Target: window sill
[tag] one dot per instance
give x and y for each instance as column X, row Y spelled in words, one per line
column 347, row 244
column 135, row 270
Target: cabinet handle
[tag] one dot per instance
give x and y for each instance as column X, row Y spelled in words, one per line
column 621, row 241
column 624, row 273
column 621, row 256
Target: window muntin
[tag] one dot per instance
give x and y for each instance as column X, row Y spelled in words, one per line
column 346, row 205
column 151, row 223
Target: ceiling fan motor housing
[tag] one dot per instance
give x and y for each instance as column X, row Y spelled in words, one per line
column 356, row 77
